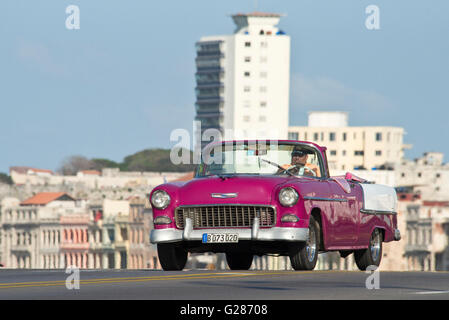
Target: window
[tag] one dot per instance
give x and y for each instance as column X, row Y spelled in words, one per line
column 246, row 118
column 333, row 152
column 332, row 136
column 378, row 152
column 293, row 136
column 343, row 152
column 438, row 175
column 247, row 74
column 344, row 136
column 263, row 104
column 358, row 153
column 247, row 89
column 247, row 59
column 419, row 174
column 263, row 89
column 247, row 44
column 322, row 136
column 305, row 135
column 315, row 136
column 378, row 136
column 263, row 44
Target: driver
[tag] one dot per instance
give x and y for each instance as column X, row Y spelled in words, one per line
column 299, row 164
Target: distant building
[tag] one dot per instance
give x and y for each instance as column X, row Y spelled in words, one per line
column 242, row 80
column 91, row 179
column 74, row 246
column 350, row 148
column 427, row 176
column 141, row 253
column 31, row 232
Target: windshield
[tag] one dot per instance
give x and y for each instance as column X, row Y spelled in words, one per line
column 260, row 159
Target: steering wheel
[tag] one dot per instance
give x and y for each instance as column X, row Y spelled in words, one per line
column 293, row 167
column 313, row 172
column 288, row 170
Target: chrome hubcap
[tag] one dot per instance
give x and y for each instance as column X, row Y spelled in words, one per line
column 375, row 245
column 311, row 245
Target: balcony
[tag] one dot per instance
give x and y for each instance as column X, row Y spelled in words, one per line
column 209, row 84
column 417, row 248
column 204, row 70
column 74, row 246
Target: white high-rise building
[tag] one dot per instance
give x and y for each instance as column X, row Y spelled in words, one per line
column 243, row 79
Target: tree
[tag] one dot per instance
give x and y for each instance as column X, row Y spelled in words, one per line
column 100, row 163
column 4, row 178
column 71, row 165
column 155, row 160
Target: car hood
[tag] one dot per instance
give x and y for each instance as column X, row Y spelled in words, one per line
column 249, row 189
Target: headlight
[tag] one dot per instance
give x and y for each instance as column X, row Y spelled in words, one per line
column 160, row 199
column 288, row 197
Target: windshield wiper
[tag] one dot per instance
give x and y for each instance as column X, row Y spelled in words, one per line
column 276, row 165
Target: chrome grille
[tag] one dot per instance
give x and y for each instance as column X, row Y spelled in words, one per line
column 220, row 216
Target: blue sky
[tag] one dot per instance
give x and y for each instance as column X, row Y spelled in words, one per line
column 125, row 79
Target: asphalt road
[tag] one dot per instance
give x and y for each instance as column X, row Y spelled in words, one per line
column 221, row 285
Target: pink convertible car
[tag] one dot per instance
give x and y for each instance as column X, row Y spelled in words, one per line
column 271, row 197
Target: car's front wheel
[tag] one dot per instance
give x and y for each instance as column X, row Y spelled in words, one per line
column 172, row 257
column 373, row 254
column 239, row 261
column 305, row 256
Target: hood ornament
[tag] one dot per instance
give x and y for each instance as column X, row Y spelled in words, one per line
column 223, row 195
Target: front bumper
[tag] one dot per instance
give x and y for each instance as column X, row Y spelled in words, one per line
column 397, row 235
column 255, row 233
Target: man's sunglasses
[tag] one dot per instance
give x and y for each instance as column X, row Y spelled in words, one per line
column 298, row 154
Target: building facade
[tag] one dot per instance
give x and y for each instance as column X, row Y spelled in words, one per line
column 428, row 176
column 242, row 80
column 350, row 148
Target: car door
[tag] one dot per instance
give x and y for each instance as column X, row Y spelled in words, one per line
column 345, row 212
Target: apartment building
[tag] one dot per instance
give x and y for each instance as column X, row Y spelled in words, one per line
column 348, row 147
column 427, row 175
column 31, row 231
column 242, row 80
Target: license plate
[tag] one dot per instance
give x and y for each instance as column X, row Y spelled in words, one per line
column 220, row 238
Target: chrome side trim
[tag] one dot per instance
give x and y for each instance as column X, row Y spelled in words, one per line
column 325, row 199
column 376, row 212
column 224, row 195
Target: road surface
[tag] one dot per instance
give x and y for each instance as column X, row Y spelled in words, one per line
column 221, row 285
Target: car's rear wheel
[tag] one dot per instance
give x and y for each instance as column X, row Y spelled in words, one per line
column 173, row 257
column 305, row 256
column 372, row 255
column 239, row 260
